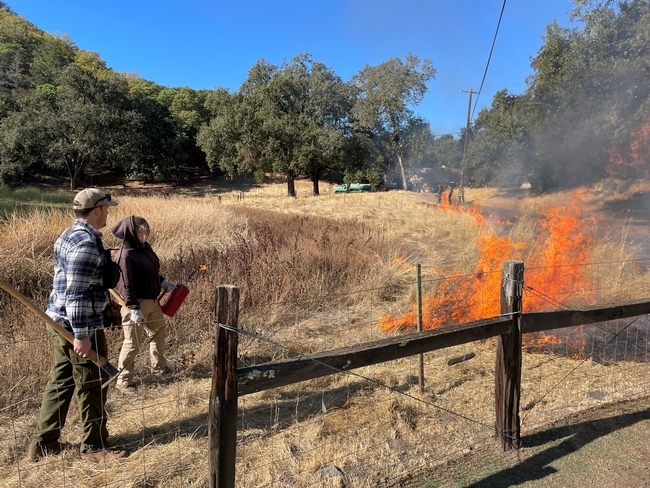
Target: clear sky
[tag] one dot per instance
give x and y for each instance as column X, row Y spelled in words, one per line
column 213, row 43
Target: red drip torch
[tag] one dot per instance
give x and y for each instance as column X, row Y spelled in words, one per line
column 178, row 295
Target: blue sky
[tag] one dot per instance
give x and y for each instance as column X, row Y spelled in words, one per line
column 212, row 43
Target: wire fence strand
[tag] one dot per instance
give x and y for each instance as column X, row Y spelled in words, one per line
column 367, row 426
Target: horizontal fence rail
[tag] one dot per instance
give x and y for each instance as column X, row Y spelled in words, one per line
column 265, row 376
column 275, row 374
column 541, row 321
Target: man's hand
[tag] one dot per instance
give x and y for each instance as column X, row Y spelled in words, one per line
column 137, row 317
column 168, row 286
column 82, row 346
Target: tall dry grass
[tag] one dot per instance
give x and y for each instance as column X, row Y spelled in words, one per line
column 314, row 273
column 271, row 257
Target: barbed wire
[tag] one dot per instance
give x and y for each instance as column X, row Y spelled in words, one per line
column 413, row 282
column 252, row 338
column 572, row 370
column 550, row 299
column 352, row 373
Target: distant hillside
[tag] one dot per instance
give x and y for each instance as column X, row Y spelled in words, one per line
column 62, row 110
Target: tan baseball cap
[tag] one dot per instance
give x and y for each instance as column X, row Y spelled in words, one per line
column 91, row 198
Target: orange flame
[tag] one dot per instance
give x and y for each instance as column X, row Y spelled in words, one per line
column 636, row 162
column 562, row 245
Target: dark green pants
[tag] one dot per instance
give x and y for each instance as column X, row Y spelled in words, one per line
column 69, row 372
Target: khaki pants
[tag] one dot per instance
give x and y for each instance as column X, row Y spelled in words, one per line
column 69, row 372
column 133, row 340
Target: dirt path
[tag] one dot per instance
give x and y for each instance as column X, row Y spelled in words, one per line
column 603, row 447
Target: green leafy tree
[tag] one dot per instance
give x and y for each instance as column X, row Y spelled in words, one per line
column 232, row 139
column 497, row 153
column 447, row 151
column 80, row 124
column 418, row 144
column 187, row 111
column 50, row 58
column 21, row 136
column 585, row 111
column 568, row 133
column 18, row 40
column 387, row 94
column 312, row 108
column 591, row 86
column 290, row 120
column 160, row 148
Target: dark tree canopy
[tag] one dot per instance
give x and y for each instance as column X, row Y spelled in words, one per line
column 584, row 109
column 292, row 119
column 80, row 123
column 582, row 117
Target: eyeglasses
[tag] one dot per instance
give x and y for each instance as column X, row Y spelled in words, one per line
column 107, row 198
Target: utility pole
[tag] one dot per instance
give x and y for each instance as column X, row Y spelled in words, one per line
column 469, row 108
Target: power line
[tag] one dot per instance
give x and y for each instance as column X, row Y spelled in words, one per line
column 469, row 106
column 487, row 65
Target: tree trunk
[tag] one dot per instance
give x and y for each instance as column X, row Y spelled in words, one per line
column 73, row 177
column 389, row 175
column 314, row 182
column 291, row 186
column 74, row 166
column 403, row 172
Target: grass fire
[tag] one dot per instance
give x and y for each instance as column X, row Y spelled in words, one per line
column 321, row 273
column 564, row 237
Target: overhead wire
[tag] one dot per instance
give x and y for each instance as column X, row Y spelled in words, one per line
column 487, row 65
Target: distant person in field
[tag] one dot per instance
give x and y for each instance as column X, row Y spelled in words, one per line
column 461, row 194
column 78, row 297
column 451, row 192
column 140, row 284
column 439, row 193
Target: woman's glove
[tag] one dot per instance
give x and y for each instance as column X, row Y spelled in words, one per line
column 168, row 286
column 137, row 316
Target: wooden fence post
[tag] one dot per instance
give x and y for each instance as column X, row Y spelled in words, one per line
column 419, row 305
column 507, row 374
column 222, row 415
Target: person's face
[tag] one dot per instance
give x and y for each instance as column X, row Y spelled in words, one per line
column 143, row 235
column 102, row 216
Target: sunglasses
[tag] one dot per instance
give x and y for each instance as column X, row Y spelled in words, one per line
column 107, row 198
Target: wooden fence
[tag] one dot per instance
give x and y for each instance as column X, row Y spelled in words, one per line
column 229, row 382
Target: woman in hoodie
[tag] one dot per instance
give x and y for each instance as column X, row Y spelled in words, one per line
column 140, row 284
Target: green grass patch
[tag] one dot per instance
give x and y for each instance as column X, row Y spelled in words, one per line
column 32, row 195
column 24, row 200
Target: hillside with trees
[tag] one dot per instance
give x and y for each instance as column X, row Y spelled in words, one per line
column 63, row 110
column 583, row 116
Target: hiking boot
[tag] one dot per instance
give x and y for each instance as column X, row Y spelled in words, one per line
column 125, row 388
column 105, row 455
column 39, row 452
column 166, row 371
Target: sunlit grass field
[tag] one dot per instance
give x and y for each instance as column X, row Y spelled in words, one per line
column 315, row 273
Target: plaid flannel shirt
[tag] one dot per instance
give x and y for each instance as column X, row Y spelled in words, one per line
column 78, row 264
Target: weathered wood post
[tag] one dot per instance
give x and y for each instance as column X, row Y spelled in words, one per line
column 507, row 375
column 222, row 416
column 419, row 306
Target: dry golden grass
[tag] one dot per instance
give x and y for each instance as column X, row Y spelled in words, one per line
column 321, row 272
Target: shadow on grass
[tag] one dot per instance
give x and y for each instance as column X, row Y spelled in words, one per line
column 635, row 207
column 575, row 437
column 279, row 413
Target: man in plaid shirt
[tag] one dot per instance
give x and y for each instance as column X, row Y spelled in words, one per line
column 77, row 300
